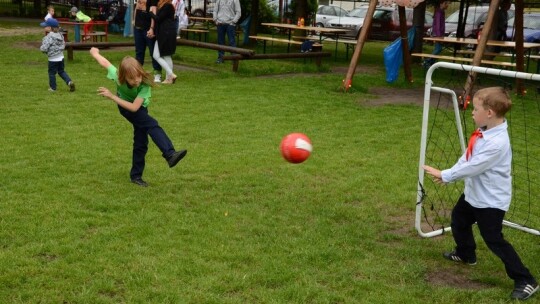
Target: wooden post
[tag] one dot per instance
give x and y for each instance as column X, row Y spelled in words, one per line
column 347, row 82
column 405, row 43
column 481, row 47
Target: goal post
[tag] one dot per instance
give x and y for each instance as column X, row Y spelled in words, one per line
column 434, row 202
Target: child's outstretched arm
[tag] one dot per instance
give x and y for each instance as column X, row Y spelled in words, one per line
column 435, row 174
column 100, row 59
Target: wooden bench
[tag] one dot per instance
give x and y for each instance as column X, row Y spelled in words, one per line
column 265, row 39
column 507, row 55
column 236, row 58
column 464, row 59
column 196, row 32
column 95, row 35
column 71, row 46
column 349, row 44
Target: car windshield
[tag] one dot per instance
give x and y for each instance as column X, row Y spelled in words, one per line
column 471, row 16
column 358, row 12
column 529, row 22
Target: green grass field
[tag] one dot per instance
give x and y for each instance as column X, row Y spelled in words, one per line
column 233, row 222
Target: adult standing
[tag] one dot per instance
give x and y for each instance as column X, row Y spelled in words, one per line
column 181, row 16
column 226, row 15
column 165, row 30
column 438, row 29
column 502, row 20
column 142, row 21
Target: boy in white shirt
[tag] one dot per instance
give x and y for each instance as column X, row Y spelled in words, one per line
column 486, row 170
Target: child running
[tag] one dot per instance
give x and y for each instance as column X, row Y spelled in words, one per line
column 53, row 45
column 133, row 92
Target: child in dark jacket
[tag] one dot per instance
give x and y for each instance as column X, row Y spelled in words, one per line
column 53, row 45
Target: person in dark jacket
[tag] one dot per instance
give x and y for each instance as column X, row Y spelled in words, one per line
column 142, row 23
column 165, row 31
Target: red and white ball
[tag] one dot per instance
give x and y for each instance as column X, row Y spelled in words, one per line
column 296, row 148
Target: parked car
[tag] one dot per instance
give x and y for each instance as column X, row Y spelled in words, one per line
column 385, row 25
column 531, row 28
column 327, row 12
column 352, row 21
column 385, row 22
column 197, row 8
column 476, row 17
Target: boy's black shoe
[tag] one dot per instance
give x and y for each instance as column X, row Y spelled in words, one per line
column 452, row 256
column 176, row 157
column 139, row 181
column 71, row 85
column 524, row 291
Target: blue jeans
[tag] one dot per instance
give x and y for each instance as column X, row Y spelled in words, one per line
column 57, row 67
column 141, row 43
column 228, row 29
column 144, row 125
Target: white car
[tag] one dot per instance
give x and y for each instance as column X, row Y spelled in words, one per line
column 327, row 12
column 353, row 21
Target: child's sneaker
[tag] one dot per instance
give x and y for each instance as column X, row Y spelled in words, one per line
column 51, row 90
column 452, row 256
column 524, row 291
column 71, row 85
column 157, row 78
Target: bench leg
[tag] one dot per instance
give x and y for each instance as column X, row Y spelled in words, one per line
column 235, row 65
column 70, row 53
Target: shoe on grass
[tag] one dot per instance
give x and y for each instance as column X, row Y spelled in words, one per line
column 52, row 90
column 71, row 85
column 176, row 157
column 157, row 78
column 452, row 256
column 524, row 291
column 139, row 181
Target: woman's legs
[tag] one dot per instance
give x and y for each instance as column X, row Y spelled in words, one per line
column 163, row 62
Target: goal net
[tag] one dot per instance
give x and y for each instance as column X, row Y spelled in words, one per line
column 446, row 127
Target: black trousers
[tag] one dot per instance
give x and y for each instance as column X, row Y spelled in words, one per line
column 490, row 222
column 144, row 125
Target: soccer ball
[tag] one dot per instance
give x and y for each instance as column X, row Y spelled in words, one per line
column 296, row 147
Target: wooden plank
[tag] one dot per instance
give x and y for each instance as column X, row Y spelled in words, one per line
column 236, row 58
column 265, row 38
column 463, row 59
column 70, row 46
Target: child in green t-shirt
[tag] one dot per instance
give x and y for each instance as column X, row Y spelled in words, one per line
column 81, row 17
column 133, row 92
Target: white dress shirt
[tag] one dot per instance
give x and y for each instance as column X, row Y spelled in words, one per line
column 487, row 173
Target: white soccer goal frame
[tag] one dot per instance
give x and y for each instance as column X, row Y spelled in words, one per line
column 425, row 123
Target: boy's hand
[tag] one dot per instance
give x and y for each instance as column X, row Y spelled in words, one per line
column 105, row 92
column 435, row 173
column 94, row 51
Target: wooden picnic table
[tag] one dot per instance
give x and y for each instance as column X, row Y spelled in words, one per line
column 528, row 46
column 320, row 30
column 94, row 35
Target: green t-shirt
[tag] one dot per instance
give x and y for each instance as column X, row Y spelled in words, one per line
column 80, row 16
column 128, row 93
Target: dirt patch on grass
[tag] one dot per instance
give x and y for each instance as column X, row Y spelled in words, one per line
column 18, row 31
column 455, row 277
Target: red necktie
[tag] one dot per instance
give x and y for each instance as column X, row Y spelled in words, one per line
column 476, row 134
